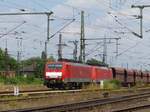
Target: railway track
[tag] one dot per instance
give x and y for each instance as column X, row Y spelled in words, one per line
column 2, row 93
column 85, row 104
column 36, row 95
column 134, row 108
column 32, row 95
column 39, row 94
column 48, row 91
column 33, row 92
column 40, row 91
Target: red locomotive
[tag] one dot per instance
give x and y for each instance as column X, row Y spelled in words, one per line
column 63, row 74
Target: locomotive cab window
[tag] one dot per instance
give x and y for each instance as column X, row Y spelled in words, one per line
column 54, row 66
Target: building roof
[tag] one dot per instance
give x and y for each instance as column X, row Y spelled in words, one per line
column 30, row 68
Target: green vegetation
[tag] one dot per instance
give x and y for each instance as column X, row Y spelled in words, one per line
column 140, row 84
column 20, row 80
column 38, row 64
column 112, row 84
column 107, row 85
column 7, row 62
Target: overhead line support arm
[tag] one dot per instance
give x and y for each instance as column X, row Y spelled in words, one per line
column 141, row 7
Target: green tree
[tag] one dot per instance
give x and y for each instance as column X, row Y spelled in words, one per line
column 7, row 61
column 13, row 65
column 38, row 64
column 2, row 60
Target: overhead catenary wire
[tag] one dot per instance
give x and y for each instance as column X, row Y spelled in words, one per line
column 13, row 29
column 128, row 49
column 62, row 28
column 62, row 19
column 92, row 50
column 117, row 20
column 47, row 9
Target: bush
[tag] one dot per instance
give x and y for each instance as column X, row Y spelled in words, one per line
column 18, row 80
column 140, row 84
column 92, row 86
column 10, row 81
column 112, row 84
column 2, row 79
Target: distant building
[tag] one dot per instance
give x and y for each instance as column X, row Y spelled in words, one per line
column 8, row 73
column 28, row 70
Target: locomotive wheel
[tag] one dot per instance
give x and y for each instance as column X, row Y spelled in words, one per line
column 48, row 86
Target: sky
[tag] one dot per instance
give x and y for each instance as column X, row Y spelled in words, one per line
column 103, row 19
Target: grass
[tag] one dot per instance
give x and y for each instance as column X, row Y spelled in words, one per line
column 64, row 98
column 112, row 84
column 20, row 80
column 108, row 85
column 92, row 86
column 141, row 84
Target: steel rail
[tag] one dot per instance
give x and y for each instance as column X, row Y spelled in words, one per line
column 62, row 91
column 35, row 95
column 129, row 109
column 83, row 105
column 10, row 93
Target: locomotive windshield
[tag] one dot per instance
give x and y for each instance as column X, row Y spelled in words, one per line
column 54, row 66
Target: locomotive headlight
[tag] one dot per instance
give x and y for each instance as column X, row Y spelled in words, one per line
column 54, row 74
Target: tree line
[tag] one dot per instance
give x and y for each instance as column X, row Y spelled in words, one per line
column 8, row 63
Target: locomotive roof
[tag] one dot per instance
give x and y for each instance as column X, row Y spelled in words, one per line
column 78, row 64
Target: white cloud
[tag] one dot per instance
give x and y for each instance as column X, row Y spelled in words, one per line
column 82, row 3
column 62, row 11
column 97, row 23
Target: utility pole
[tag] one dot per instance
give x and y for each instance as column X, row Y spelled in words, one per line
column 117, row 46
column 82, row 40
column 141, row 7
column 35, row 13
column 104, row 51
column 45, row 51
column 127, row 65
column 48, row 36
column 60, row 47
column 105, row 45
column 75, row 51
column 19, row 45
column 6, row 56
column 6, row 59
